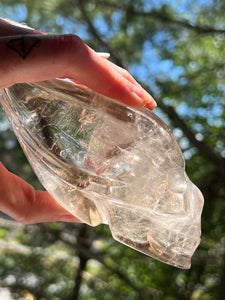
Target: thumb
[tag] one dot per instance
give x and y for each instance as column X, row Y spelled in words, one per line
column 19, row 200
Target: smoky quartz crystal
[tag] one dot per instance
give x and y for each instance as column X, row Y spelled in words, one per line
column 108, row 163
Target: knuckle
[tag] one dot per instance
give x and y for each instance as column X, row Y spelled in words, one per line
column 72, row 50
column 72, row 45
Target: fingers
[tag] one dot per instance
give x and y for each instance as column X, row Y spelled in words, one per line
column 19, row 200
column 43, row 57
column 30, row 58
column 110, row 80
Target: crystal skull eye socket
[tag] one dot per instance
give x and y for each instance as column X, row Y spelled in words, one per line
column 177, row 181
column 108, row 163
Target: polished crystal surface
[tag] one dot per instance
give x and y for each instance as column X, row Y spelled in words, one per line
column 108, row 163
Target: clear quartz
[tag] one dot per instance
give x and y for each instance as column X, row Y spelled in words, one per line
column 108, row 163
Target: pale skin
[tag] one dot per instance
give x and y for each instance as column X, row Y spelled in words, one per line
column 28, row 55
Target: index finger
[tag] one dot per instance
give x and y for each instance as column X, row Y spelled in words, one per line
column 42, row 57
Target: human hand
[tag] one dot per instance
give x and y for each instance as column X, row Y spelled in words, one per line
column 31, row 56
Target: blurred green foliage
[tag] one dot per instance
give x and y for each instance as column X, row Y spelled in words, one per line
column 176, row 50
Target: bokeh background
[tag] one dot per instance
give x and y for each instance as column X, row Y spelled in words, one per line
column 176, row 50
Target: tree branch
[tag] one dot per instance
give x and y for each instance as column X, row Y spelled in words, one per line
column 162, row 17
column 177, row 121
column 84, row 240
column 78, row 277
column 98, row 37
column 171, row 113
column 100, row 258
column 87, row 253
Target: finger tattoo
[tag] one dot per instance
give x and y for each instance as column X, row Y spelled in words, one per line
column 23, row 45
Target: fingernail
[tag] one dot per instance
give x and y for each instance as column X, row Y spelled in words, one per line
column 104, row 54
column 146, row 100
column 151, row 105
column 138, row 101
column 149, row 101
column 68, row 218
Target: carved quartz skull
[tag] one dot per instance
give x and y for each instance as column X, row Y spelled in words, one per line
column 107, row 163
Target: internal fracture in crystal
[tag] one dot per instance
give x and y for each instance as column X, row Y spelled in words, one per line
column 108, row 163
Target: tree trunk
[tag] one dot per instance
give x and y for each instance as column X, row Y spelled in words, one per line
column 84, row 240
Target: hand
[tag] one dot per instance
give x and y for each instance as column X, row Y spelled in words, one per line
column 28, row 56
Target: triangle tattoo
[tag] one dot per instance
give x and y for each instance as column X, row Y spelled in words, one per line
column 23, row 45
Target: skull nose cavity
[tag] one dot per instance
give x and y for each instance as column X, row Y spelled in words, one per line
column 177, row 181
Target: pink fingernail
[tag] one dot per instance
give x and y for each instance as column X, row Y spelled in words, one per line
column 146, row 100
column 138, row 100
column 151, row 105
column 149, row 101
